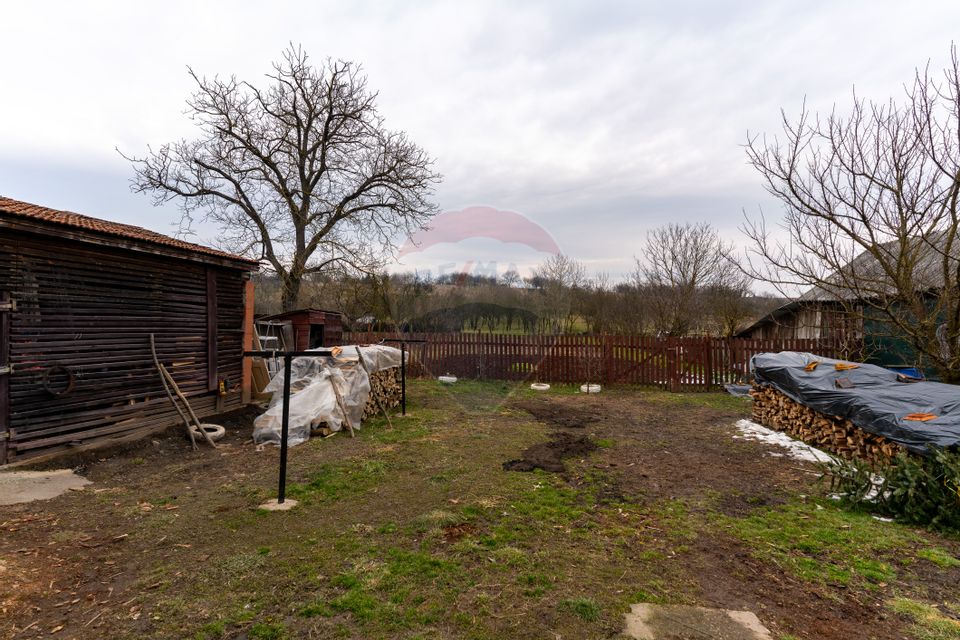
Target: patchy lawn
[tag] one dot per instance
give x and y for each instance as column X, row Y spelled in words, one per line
column 418, row 532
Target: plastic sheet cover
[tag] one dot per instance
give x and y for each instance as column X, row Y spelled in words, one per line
column 876, row 401
column 312, row 398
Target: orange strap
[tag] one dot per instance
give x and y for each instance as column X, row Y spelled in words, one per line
column 845, row 366
column 811, row 365
column 919, row 417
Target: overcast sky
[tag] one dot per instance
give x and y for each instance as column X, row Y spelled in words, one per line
column 596, row 120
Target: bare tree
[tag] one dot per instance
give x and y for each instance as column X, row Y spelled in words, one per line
column 301, row 173
column 558, row 278
column 679, row 262
column 871, row 213
column 727, row 304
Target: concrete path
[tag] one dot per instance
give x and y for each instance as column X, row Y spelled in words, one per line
column 27, row 486
column 675, row 622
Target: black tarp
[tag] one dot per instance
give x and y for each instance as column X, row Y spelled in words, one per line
column 876, row 401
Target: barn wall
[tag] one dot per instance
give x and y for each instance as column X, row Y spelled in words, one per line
column 79, row 341
column 810, row 321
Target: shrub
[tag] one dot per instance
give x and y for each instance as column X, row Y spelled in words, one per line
column 913, row 489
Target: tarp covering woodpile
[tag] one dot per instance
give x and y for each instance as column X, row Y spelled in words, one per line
column 313, row 400
column 916, row 414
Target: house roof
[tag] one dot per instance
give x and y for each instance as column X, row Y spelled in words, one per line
column 774, row 315
column 922, row 257
column 100, row 227
column 926, row 273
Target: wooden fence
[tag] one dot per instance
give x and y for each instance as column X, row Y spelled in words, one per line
column 677, row 364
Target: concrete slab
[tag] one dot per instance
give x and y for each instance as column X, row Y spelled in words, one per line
column 26, row 486
column 273, row 505
column 676, row 622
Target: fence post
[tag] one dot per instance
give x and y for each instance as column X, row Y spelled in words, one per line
column 708, row 363
column 673, row 375
column 607, row 359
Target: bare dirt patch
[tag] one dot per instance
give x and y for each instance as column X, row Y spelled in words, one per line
column 568, row 415
column 550, row 455
column 729, row 576
column 455, row 532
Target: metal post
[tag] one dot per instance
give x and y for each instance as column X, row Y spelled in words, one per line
column 403, row 378
column 288, row 357
column 284, row 427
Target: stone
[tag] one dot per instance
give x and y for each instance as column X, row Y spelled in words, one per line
column 273, row 505
column 17, row 487
column 677, row 622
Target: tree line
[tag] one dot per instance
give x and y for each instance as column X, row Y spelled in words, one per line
column 684, row 282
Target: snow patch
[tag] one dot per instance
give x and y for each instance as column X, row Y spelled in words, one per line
column 794, row 448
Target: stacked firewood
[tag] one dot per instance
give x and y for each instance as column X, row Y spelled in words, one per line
column 385, row 386
column 830, row 433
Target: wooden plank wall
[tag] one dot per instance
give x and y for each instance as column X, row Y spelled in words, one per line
column 80, row 346
column 679, row 364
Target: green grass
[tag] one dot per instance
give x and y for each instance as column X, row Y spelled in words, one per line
column 584, row 608
column 389, row 594
column 417, row 532
column 268, row 631
column 211, row 630
column 939, row 557
column 336, row 481
column 928, row 622
column 713, row 400
column 818, row 542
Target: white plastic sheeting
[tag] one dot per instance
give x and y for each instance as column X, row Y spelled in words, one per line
column 312, row 398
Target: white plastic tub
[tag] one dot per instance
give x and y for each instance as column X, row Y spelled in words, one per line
column 589, row 388
column 447, row 379
column 540, row 386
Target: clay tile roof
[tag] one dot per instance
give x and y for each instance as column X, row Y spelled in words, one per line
column 117, row 229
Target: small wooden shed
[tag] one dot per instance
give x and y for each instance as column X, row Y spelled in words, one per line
column 312, row 328
column 79, row 298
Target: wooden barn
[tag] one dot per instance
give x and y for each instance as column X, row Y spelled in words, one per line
column 805, row 319
column 79, row 299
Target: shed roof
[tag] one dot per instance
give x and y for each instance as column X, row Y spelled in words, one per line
column 295, row 312
column 107, row 228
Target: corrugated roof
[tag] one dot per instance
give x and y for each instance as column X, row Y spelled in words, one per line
column 106, row 227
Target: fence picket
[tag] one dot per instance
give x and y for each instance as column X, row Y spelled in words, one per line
column 689, row 364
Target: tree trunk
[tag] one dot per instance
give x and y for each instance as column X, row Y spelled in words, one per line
column 290, row 296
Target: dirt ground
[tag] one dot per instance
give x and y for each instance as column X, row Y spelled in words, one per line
column 489, row 512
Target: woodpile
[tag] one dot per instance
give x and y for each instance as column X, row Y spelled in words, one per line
column 385, row 386
column 830, row 433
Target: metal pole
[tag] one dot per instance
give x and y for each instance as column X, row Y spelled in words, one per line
column 403, row 378
column 284, row 427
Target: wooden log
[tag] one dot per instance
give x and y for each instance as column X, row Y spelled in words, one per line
column 832, row 433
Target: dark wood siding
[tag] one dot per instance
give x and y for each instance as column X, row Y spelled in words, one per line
column 82, row 324
column 230, row 307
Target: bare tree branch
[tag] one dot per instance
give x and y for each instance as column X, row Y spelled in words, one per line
column 301, row 173
column 870, row 213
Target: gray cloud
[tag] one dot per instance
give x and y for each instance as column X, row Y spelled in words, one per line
column 598, row 120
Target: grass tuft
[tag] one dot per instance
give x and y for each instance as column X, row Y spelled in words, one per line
column 584, row 608
column 939, row 557
column 929, row 623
